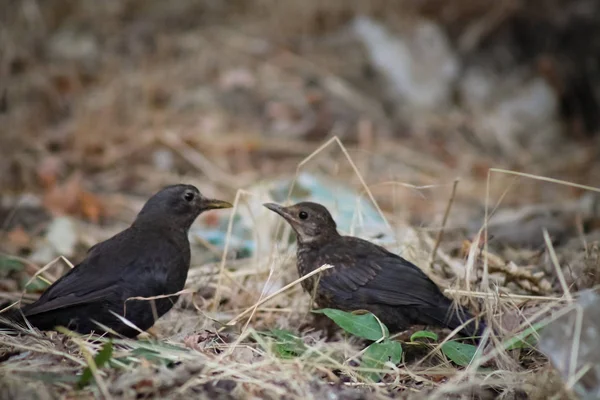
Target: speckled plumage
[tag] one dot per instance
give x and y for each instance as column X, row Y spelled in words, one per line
column 367, row 276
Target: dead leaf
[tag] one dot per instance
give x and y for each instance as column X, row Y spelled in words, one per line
column 198, row 341
column 438, row 378
column 62, row 199
column 70, row 198
column 18, row 238
column 91, row 206
column 144, row 383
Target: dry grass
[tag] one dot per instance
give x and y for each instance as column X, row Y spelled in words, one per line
column 218, row 347
column 160, row 87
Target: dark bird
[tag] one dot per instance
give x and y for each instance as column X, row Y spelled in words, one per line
column 366, row 276
column 150, row 258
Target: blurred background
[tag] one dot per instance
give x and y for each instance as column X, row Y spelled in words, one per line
column 104, row 102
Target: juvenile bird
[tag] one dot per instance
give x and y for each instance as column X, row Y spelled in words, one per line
column 150, row 258
column 366, row 276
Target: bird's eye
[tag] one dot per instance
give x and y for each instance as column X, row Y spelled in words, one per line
column 303, row 215
column 189, row 196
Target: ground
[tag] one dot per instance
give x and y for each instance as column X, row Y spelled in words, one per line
column 103, row 103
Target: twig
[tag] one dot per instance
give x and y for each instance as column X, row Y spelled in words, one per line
column 486, row 272
column 546, row 179
column 512, row 271
column 283, row 289
column 366, row 188
column 236, row 203
column 44, row 268
column 554, row 258
column 440, row 234
column 265, row 286
column 161, row 296
column 471, row 257
column 502, row 296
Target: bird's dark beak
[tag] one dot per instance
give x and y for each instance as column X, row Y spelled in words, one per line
column 213, row 204
column 283, row 211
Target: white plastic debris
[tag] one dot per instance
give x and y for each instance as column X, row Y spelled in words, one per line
column 60, row 240
column 520, row 112
column 571, row 344
column 419, row 64
column 62, row 235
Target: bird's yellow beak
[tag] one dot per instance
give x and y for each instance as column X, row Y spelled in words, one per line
column 213, row 204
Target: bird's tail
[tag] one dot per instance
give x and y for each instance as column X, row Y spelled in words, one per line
column 457, row 317
column 452, row 317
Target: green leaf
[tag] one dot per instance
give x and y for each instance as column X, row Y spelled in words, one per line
column 9, row 264
column 103, row 356
column 361, row 325
column 525, row 339
column 150, row 355
column 282, row 334
column 377, row 354
column 152, row 350
column 157, row 346
column 36, row 285
column 460, row 353
column 288, row 345
column 424, row 335
column 52, row 377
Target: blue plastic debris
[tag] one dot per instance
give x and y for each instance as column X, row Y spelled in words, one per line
column 253, row 224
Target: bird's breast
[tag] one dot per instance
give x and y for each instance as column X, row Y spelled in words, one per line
column 306, row 263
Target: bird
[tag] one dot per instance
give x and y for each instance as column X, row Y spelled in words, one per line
column 150, row 258
column 366, row 276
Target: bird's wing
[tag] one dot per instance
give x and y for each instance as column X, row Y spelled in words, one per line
column 70, row 300
column 370, row 273
column 81, row 285
column 98, row 275
column 113, row 270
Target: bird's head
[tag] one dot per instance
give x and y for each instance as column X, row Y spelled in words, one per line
column 311, row 221
column 177, row 205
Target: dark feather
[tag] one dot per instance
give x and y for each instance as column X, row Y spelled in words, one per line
column 367, row 276
column 151, row 258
